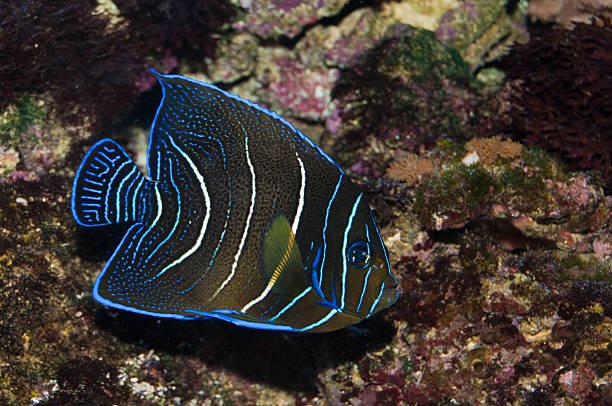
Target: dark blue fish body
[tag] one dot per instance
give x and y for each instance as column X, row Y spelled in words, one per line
column 242, row 218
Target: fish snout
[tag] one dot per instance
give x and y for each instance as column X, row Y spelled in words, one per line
column 390, row 293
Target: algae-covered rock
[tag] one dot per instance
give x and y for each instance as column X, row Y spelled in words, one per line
column 408, row 91
column 483, row 31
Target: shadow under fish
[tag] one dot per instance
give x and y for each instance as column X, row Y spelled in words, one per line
column 241, row 218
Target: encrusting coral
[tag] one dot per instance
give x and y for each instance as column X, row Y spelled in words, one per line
column 482, row 31
column 569, row 12
column 504, row 290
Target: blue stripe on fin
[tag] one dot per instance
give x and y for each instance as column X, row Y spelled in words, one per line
column 98, row 197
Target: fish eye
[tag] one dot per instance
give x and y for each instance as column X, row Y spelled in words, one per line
column 358, row 255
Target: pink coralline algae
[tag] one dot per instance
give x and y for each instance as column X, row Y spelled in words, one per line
column 577, row 383
column 299, row 90
column 284, row 17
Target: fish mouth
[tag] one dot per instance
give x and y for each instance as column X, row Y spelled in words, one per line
column 389, row 296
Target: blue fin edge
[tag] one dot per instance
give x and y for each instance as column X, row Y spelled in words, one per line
column 224, row 315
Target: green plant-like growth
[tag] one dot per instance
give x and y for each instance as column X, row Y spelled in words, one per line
column 420, row 56
column 16, row 120
column 413, row 89
column 468, row 191
column 458, row 188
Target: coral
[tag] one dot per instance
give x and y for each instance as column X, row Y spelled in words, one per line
column 492, row 302
column 340, row 45
column 9, row 158
column 560, row 86
column 410, row 90
column 85, row 380
column 235, row 58
column 489, row 150
column 569, row 12
column 293, row 87
column 410, row 169
column 533, row 185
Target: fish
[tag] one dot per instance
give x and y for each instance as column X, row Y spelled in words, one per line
column 240, row 217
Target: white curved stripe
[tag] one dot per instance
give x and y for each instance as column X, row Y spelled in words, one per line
column 200, row 178
column 344, row 244
column 157, row 217
column 258, row 298
column 298, row 213
column 373, row 307
column 296, row 222
column 248, row 220
column 176, row 221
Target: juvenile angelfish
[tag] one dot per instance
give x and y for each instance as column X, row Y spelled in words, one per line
column 241, row 218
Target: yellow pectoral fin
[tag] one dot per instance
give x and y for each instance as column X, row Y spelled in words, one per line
column 281, row 258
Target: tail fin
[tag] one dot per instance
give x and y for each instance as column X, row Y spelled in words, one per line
column 108, row 186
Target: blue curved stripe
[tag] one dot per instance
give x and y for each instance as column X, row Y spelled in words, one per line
column 110, row 190
column 148, row 230
column 225, row 315
column 176, row 222
column 106, row 302
column 294, row 301
column 248, row 102
column 327, row 211
column 373, row 307
column 365, row 287
column 135, row 196
column 384, row 249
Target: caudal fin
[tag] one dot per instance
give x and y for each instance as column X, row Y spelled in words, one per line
column 108, row 186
